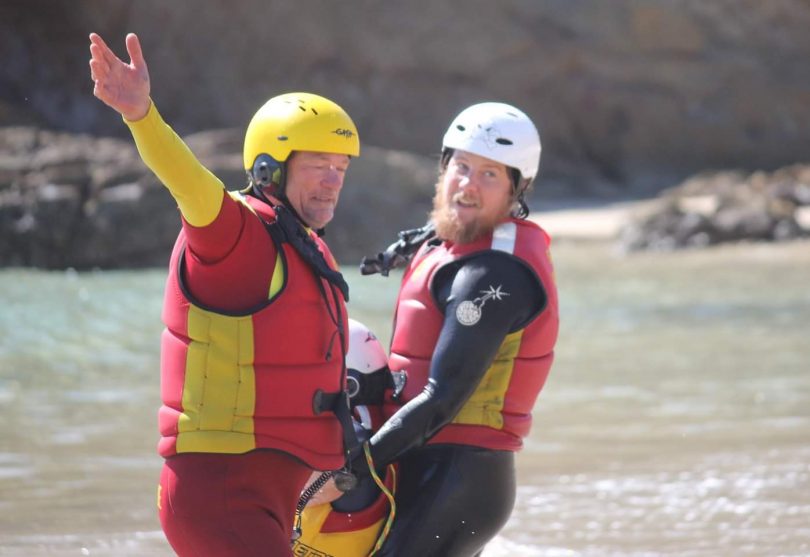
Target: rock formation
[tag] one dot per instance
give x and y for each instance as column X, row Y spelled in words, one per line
column 627, row 94
column 718, row 207
column 78, row 201
column 630, row 97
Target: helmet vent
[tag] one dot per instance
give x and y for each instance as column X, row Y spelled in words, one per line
column 461, row 128
column 315, row 112
column 503, row 141
column 301, row 108
column 282, row 138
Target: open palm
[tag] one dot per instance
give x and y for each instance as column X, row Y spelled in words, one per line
column 124, row 87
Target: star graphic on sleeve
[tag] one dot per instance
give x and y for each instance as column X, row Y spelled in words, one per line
column 491, row 294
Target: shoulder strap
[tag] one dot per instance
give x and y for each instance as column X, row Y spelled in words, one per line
column 291, row 231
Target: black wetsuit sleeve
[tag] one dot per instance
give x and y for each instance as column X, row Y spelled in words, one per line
column 483, row 299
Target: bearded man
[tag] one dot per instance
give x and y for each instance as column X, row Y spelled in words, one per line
column 474, row 332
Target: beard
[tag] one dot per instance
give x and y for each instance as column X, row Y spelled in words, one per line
column 450, row 228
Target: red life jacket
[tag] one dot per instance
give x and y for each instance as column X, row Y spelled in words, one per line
column 498, row 414
column 234, row 383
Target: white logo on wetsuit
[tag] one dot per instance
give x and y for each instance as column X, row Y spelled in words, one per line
column 468, row 312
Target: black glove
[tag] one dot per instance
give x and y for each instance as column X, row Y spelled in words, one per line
column 399, row 253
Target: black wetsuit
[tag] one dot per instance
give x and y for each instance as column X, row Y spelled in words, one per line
column 452, row 499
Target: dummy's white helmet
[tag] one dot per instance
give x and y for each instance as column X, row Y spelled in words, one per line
column 366, row 354
column 499, row 132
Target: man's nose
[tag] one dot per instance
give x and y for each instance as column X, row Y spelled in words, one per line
column 332, row 177
column 467, row 182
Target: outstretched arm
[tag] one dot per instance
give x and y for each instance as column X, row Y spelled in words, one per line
column 199, row 194
column 121, row 86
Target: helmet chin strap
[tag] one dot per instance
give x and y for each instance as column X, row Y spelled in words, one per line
column 257, row 191
column 522, row 210
column 282, row 196
column 268, row 172
column 520, row 185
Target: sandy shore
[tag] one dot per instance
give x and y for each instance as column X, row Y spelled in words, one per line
column 601, row 222
column 588, row 222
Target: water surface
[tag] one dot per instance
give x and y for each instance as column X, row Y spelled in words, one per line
column 676, row 420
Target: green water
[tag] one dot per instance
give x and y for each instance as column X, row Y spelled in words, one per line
column 676, row 420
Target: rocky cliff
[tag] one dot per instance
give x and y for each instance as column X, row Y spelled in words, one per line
column 625, row 91
column 630, row 96
column 69, row 200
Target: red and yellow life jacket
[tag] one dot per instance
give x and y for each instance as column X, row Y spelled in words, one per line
column 235, row 383
column 498, row 414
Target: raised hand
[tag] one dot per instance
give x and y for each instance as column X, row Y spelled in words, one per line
column 121, row 86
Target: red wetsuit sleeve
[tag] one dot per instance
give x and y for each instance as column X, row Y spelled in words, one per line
column 230, row 262
column 229, row 257
column 213, row 242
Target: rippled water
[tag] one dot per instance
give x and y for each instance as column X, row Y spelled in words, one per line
column 676, row 420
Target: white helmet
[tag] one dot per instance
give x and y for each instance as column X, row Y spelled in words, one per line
column 366, row 354
column 499, row 132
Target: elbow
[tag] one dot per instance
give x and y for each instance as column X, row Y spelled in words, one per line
column 444, row 407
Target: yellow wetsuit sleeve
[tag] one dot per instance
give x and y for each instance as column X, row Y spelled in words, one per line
column 197, row 191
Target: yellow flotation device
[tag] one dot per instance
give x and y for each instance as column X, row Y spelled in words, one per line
column 326, row 532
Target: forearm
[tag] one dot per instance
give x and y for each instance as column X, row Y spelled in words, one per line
column 461, row 358
column 197, row 191
column 417, row 421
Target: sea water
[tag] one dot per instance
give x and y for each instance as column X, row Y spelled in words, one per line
column 675, row 421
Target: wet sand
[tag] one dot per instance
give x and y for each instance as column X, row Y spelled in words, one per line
column 584, row 220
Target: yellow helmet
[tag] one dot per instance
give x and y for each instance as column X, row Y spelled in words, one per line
column 299, row 122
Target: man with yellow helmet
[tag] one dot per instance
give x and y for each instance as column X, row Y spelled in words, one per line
column 252, row 357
